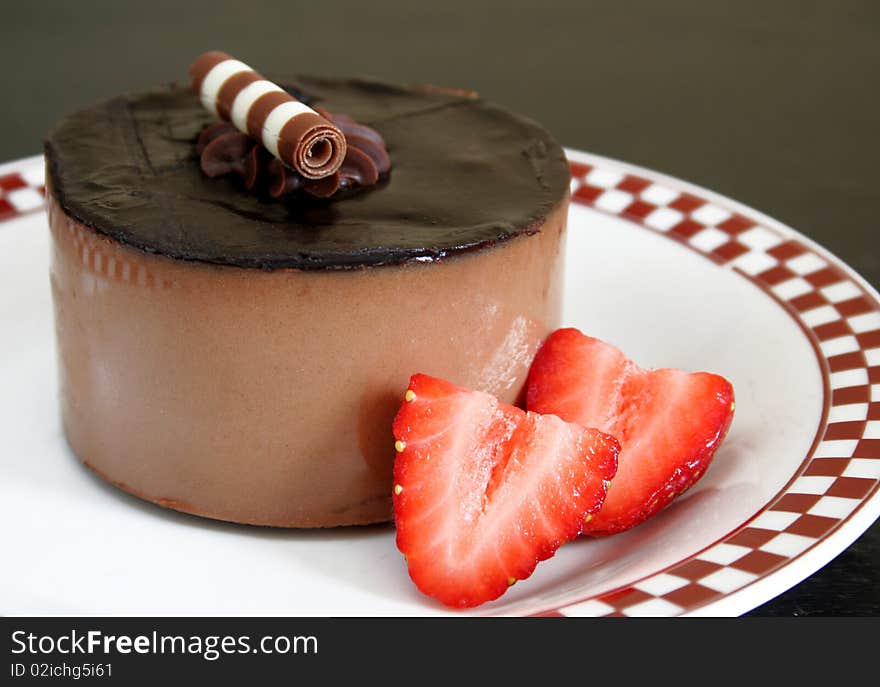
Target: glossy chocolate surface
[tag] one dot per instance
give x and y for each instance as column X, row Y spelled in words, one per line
column 466, row 174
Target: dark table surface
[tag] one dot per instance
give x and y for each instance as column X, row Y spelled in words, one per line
column 774, row 104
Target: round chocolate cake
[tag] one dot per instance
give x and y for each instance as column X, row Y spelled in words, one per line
column 239, row 356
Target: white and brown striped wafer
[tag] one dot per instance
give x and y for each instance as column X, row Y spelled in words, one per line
column 290, row 130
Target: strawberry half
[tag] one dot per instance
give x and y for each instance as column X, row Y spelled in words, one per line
column 668, row 422
column 483, row 491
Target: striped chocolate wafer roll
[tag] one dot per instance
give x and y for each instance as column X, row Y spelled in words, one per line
column 290, row 130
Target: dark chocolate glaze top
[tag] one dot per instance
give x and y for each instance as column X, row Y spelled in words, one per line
column 465, row 175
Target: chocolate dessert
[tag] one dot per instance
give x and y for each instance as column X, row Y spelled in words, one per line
column 235, row 346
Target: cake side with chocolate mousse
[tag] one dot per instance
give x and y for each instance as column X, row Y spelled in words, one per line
column 234, row 345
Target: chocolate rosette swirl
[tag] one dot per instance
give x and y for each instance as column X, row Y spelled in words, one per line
column 223, row 150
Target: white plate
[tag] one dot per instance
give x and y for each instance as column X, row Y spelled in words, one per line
column 675, row 275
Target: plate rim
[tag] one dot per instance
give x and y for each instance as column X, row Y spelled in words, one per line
column 826, row 547
column 602, row 193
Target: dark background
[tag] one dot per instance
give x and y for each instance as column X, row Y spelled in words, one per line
column 774, row 104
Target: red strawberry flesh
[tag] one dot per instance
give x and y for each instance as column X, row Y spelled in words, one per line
column 484, row 491
column 669, row 423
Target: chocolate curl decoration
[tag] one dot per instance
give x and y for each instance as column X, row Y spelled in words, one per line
column 224, row 150
column 290, row 130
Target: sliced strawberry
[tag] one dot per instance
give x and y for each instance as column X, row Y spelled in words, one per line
column 484, row 491
column 668, row 422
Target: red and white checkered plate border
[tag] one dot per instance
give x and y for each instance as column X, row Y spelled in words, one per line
column 22, row 189
column 835, row 489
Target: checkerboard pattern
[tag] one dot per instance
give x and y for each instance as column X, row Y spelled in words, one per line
column 842, row 322
column 22, row 190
